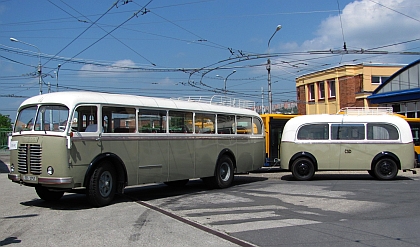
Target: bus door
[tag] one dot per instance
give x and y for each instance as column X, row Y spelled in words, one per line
column 352, row 150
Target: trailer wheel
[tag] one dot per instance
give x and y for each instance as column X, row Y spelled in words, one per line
column 303, row 169
column 385, row 169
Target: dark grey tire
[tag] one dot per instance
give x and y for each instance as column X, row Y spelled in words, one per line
column 303, row 169
column 223, row 175
column 47, row 194
column 102, row 185
column 385, row 169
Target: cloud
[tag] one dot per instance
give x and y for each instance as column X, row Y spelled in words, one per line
column 366, row 24
column 378, row 25
column 115, row 69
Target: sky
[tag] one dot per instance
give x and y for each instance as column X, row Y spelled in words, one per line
column 192, row 47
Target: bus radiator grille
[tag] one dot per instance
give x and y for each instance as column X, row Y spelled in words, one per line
column 29, row 155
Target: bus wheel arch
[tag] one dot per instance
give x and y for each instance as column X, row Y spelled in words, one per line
column 303, row 166
column 117, row 163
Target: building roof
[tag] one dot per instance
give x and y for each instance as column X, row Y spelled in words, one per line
column 404, row 85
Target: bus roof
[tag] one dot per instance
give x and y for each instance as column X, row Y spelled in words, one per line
column 294, row 123
column 73, row 98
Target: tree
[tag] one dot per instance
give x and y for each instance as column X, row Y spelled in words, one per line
column 5, row 121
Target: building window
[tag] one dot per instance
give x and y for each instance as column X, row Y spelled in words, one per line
column 331, row 88
column 379, row 79
column 321, row 89
column 311, row 89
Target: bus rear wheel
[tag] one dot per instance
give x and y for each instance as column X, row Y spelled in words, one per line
column 303, row 169
column 385, row 169
column 47, row 194
column 102, row 185
column 223, row 175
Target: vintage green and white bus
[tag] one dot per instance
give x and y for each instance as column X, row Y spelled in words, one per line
column 98, row 143
column 380, row 144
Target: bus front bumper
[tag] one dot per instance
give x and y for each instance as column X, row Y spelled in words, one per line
column 18, row 178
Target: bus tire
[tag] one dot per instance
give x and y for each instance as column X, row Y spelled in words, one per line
column 47, row 194
column 303, row 169
column 102, row 185
column 224, row 173
column 385, row 169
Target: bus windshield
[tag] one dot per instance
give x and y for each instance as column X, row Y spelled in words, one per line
column 47, row 118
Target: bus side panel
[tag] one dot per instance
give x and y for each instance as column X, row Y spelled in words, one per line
column 181, row 159
column 322, row 153
column 206, row 153
column 250, row 154
column 82, row 152
column 153, row 161
column 125, row 149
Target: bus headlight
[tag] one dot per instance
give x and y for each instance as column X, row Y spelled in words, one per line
column 50, row 170
column 12, row 168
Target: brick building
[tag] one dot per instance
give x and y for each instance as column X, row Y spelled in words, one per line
column 328, row 91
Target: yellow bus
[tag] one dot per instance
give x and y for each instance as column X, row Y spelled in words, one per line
column 97, row 143
column 274, row 124
column 415, row 129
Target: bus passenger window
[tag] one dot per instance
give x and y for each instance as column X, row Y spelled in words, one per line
column 225, row 124
column 121, row 119
column 83, row 117
column 243, row 125
column 257, row 126
column 204, row 123
column 152, row 121
column 180, row 122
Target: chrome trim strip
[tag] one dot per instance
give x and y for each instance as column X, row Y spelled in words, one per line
column 170, row 137
column 150, row 166
column 14, row 177
column 65, row 180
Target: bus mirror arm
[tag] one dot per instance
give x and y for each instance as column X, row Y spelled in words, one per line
column 68, row 142
column 99, row 137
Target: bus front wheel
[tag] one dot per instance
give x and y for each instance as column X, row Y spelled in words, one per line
column 102, row 185
column 385, row 169
column 303, row 169
column 48, row 195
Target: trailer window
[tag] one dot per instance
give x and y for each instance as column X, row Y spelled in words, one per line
column 313, row 132
column 377, row 131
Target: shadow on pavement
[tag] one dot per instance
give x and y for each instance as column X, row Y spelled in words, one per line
column 342, row 176
column 3, row 167
column 159, row 191
column 71, row 201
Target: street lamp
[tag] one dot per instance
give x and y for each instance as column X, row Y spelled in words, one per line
column 39, row 62
column 270, row 97
column 225, row 79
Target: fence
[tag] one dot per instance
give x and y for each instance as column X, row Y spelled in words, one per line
column 4, row 133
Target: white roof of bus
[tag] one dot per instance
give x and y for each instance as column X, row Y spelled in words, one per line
column 289, row 131
column 70, row 99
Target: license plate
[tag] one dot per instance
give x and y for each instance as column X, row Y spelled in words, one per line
column 29, row 178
